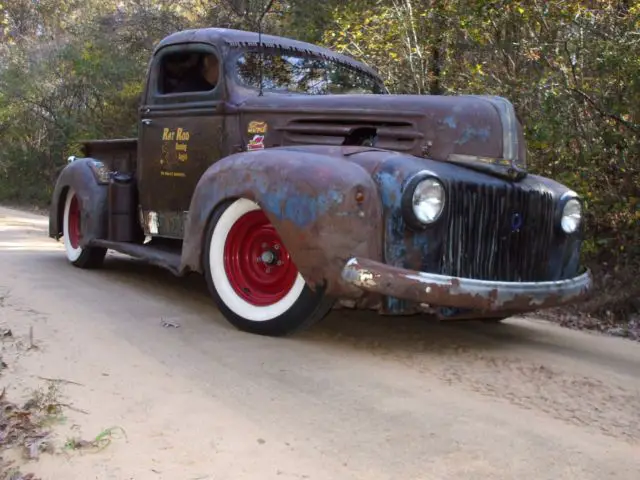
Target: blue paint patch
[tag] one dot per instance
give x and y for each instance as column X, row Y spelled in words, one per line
column 336, row 196
column 272, row 203
column 453, row 311
column 473, row 134
column 420, row 242
column 450, row 121
column 390, row 189
column 395, row 305
column 326, row 201
column 261, row 183
column 396, row 250
column 301, row 209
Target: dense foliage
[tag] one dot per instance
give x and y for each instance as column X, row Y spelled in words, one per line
column 73, row 69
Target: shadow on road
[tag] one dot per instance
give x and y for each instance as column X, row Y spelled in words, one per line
column 360, row 329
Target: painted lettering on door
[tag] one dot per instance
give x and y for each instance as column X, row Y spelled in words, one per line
column 175, row 151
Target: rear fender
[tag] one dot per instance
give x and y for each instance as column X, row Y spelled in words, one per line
column 324, row 208
column 86, row 177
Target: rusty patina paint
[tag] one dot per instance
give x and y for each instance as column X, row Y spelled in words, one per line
column 307, row 180
column 423, row 125
column 480, row 296
column 93, row 201
column 311, row 201
column 477, row 130
column 219, row 125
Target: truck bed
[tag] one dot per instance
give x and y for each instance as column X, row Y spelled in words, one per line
column 119, row 154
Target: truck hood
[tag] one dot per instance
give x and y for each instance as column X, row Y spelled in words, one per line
column 478, row 132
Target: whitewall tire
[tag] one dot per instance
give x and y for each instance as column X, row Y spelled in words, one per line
column 82, row 257
column 252, row 277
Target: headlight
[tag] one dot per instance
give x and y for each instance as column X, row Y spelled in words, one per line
column 428, row 200
column 571, row 216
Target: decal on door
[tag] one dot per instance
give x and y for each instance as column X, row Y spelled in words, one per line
column 174, row 152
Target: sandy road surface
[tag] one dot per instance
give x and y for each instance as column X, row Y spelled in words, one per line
column 358, row 396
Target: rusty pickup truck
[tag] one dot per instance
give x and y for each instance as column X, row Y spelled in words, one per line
column 291, row 178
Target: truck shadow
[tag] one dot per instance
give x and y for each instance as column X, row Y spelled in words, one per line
column 359, row 328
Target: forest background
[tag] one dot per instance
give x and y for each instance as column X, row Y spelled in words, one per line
column 72, row 70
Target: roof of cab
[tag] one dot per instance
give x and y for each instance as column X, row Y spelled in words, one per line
column 245, row 38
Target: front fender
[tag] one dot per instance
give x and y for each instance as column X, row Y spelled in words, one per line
column 81, row 176
column 324, row 208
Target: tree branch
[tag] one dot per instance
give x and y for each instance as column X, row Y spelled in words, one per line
column 266, row 10
column 259, row 16
column 630, row 125
column 231, row 4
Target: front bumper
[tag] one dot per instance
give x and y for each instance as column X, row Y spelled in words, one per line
column 465, row 293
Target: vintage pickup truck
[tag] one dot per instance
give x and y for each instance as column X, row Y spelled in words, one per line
column 289, row 176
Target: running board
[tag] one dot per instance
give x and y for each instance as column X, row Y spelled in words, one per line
column 160, row 256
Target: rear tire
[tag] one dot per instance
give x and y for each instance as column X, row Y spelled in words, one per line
column 252, row 277
column 81, row 257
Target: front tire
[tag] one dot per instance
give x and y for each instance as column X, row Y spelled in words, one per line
column 252, row 277
column 81, row 257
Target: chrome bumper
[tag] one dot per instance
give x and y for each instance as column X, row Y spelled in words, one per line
column 446, row 291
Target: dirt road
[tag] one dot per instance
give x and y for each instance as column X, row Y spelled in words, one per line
column 356, row 397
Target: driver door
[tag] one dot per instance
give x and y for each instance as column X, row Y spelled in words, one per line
column 181, row 133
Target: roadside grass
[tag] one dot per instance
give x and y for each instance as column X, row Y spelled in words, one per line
column 27, row 428
column 100, row 442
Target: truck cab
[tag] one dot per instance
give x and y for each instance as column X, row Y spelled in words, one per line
column 289, row 176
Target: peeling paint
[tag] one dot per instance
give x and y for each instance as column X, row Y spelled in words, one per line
column 450, row 121
column 366, row 279
column 390, row 188
column 310, row 199
column 480, row 295
column 470, row 133
column 308, row 193
column 79, row 176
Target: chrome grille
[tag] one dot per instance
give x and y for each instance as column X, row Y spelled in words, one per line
column 498, row 233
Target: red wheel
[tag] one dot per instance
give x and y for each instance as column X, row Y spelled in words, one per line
column 73, row 222
column 256, row 262
column 83, row 257
column 252, row 276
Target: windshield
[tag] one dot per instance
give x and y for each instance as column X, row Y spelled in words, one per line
column 298, row 73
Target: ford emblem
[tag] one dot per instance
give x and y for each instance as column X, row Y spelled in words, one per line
column 516, row 222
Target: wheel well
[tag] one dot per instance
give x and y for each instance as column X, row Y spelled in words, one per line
column 60, row 213
column 207, row 224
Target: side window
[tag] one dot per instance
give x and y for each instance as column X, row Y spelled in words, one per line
column 182, row 72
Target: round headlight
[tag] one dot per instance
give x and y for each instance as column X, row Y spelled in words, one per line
column 571, row 216
column 428, row 200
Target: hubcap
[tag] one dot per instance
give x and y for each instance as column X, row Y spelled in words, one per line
column 74, row 222
column 256, row 262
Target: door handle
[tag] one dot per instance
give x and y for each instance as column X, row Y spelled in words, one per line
column 146, row 121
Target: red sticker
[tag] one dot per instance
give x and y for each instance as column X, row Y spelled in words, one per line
column 256, row 143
